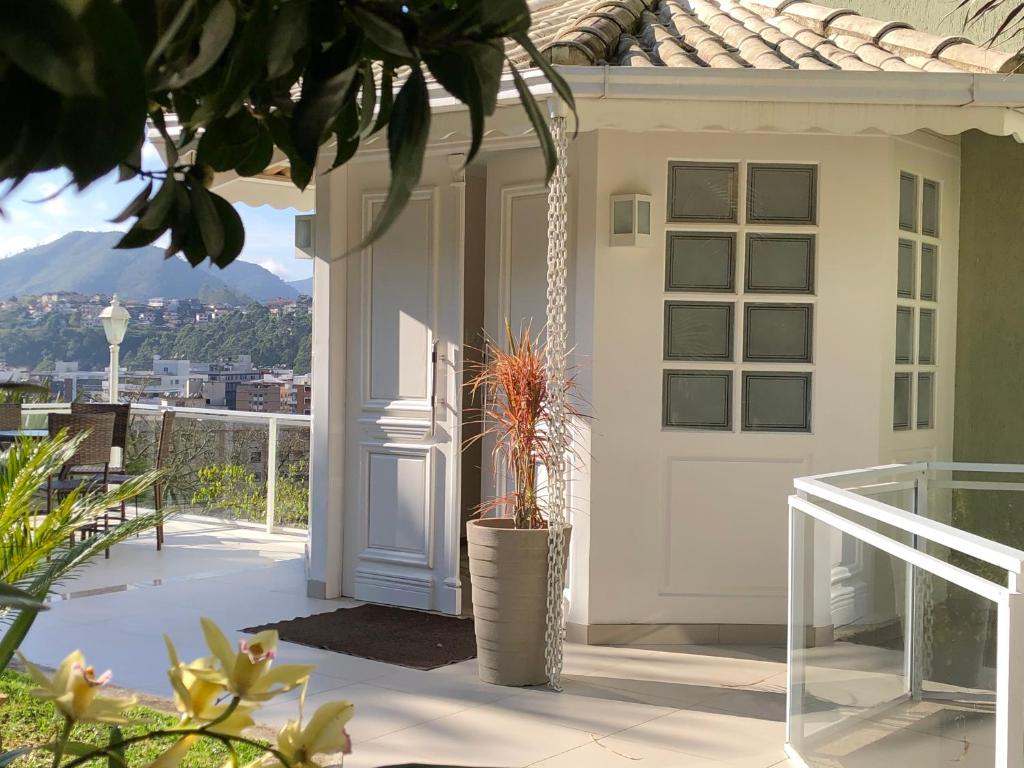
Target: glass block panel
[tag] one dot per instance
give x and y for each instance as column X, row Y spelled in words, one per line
column 776, row 402
column 778, row 333
column 926, row 337
column 622, row 217
column 925, row 400
column 904, row 335
column 780, row 264
column 643, row 215
column 929, row 272
column 697, row 399
column 702, row 191
column 906, row 270
column 930, row 208
column 700, row 261
column 901, row 402
column 782, row 194
column 698, row 330
column 908, row 202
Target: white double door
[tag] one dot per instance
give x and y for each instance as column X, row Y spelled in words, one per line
column 402, row 512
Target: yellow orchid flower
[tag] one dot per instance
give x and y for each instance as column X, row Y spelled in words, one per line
column 247, row 673
column 196, row 698
column 74, row 691
column 324, row 735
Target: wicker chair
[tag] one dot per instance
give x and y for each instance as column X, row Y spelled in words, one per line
column 10, row 416
column 121, row 412
column 89, row 464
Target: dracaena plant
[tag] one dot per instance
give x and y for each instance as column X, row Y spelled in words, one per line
column 232, row 85
column 36, row 551
column 511, row 385
column 215, row 695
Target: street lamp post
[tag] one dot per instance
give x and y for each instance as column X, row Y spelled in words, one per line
column 115, row 323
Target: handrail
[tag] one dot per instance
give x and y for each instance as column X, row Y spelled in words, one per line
column 997, row 554
column 916, row 557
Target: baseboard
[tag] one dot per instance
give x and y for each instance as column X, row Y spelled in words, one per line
column 316, row 589
column 677, row 634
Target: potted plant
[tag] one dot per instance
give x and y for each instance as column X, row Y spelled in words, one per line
column 508, row 542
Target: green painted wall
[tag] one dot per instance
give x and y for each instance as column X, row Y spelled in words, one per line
column 989, row 401
column 930, row 15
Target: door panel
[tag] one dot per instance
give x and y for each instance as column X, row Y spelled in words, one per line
column 401, row 431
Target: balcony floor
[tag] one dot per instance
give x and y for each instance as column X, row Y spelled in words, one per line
column 659, row 707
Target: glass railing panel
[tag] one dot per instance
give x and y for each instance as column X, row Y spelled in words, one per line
column 291, row 507
column 888, row 667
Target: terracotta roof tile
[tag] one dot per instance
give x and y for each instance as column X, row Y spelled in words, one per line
column 759, row 34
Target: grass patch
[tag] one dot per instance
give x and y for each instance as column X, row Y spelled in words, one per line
column 26, row 720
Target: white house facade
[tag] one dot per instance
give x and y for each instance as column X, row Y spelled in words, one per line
column 764, row 227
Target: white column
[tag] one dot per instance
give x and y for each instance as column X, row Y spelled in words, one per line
column 115, row 354
column 327, row 430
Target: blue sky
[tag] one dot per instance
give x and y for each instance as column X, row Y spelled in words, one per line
column 268, row 232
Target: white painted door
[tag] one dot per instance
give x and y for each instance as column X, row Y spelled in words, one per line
column 401, row 537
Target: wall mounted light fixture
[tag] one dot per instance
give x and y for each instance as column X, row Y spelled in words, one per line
column 630, row 220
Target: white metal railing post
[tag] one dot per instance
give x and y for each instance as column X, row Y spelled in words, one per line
column 1010, row 679
column 271, row 471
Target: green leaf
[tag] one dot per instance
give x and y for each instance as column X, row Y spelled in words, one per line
column 234, row 232
column 368, row 98
column 301, row 171
column 9, row 757
column 471, row 72
column 260, row 156
column 135, row 206
column 291, row 33
column 540, row 125
column 346, row 131
column 45, row 40
column 218, row 28
column 159, row 208
column 228, row 141
column 205, row 213
column 324, row 92
column 387, row 99
column 382, row 33
column 18, row 599
column 408, row 132
column 557, row 81
column 115, row 745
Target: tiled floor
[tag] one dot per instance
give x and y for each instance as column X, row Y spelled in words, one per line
column 656, row 707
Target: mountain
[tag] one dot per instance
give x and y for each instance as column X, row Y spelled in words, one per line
column 87, row 262
column 305, row 287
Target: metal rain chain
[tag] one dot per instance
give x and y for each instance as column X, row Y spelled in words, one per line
column 555, row 353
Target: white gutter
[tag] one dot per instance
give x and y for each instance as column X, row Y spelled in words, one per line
column 804, row 86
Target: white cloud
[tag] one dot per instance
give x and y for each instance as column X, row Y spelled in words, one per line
column 273, row 266
column 18, row 243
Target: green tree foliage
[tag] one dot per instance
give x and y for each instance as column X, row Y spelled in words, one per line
column 238, row 80
column 272, row 340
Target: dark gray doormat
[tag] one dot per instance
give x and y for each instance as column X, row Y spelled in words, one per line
column 382, row 633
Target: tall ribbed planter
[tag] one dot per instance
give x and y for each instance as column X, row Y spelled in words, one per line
column 510, row 577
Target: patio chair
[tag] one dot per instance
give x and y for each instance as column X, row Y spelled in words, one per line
column 10, row 418
column 122, row 413
column 88, row 466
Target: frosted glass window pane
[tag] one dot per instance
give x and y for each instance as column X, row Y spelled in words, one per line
column 901, row 402
column 925, row 400
column 697, row 399
column 702, row 191
column 698, row 330
column 776, row 402
column 643, row 214
column 906, row 270
column 700, row 261
column 926, row 342
column 782, row 194
column 777, row 333
column 780, row 264
column 929, row 272
column 930, row 208
column 904, row 335
column 622, row 217
column 908, row 202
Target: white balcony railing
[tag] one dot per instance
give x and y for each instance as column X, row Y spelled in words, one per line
column 250, row 449
column 906, row 619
